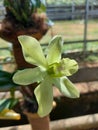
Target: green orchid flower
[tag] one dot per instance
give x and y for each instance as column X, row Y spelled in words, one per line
column 50, row 70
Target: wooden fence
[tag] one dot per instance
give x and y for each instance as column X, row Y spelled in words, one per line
column 71, row 12
column 64, row 12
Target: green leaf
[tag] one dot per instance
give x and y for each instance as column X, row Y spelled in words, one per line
column 6, row 82
column 7, row 103
column 66, row 67
column 54, row 50
column 28, row 76
column 44, row 96
column 5, row 74
column 7, row 86
column 66, row 87
column 4, row 104
column 32, row 51
column 13, row 102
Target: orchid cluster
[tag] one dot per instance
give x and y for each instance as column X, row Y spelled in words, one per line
column 51, row 70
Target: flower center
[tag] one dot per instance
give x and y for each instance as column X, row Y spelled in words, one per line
column 55, row 70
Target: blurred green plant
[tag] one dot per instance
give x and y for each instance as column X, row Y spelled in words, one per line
column 22, row 10
column 7, row 104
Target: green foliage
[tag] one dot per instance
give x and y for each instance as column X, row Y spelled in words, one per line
column 91, row 58
column 22, row 10
column 6, row 82
column 7, row 103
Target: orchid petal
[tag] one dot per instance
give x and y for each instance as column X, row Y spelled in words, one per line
column 66, row 87
column 28, row 76
column 66, row 67
column 44, row 96
column 32, row 51
column 54, row 50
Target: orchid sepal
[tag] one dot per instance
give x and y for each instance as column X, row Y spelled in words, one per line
column 54, row 50
column 66, row 87
column 44, row 96
column 32, row 51
column 28, row 76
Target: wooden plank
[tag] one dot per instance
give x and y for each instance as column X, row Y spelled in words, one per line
column 85, row 75
column 20, row 127
column 76, row 123
column 67, row 12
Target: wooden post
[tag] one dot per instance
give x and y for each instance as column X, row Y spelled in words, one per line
column 73, row 9
column 85, row 25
